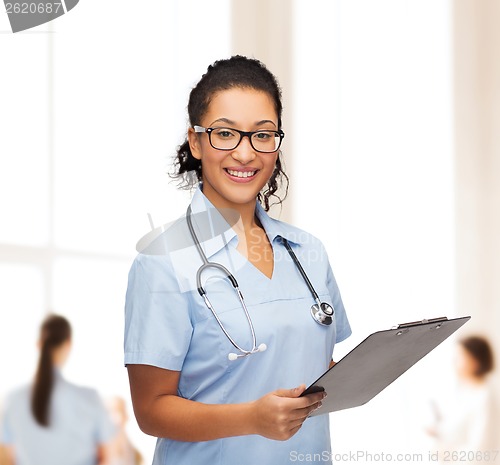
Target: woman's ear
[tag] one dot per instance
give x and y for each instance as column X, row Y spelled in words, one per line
column 194, row 143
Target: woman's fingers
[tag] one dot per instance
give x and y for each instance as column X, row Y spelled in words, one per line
column 292, row 393
column 305, row 412
column 280, row 414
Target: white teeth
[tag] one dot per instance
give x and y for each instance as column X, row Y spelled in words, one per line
column 241, row 174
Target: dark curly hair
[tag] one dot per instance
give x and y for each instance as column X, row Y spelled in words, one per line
column 237, row 71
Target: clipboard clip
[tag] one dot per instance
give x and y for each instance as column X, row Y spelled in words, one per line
column 423, row 322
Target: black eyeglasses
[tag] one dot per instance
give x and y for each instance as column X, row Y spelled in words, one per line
column 264, row 140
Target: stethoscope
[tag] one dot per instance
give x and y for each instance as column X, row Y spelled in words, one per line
column 321, row 312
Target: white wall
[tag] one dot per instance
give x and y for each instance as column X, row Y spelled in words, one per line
column 477, row 142
column 374, row 180
column 477, row 174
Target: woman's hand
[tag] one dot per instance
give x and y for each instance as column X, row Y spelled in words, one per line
column 161, row 412
column 280, row 414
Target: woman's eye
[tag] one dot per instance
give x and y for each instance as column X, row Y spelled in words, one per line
column 263, row 135
column 224, row 133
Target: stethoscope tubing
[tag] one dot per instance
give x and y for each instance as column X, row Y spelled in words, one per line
column 206, row 265
column 301, row 270
column 322, row 312
column 224, row 330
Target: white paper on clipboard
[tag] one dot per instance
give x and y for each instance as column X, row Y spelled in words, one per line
column 379, row 360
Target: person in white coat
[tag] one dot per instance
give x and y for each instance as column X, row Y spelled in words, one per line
column 466, row 422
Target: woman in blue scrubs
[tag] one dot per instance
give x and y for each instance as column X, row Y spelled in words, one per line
column 52, row 421
column 205, row 400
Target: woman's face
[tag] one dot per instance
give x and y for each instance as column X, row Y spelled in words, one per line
column 466, row 364
column 246, row 110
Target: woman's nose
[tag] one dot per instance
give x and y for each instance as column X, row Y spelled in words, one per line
column 244, row 152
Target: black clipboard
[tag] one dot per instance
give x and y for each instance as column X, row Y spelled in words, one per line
column 378, row 361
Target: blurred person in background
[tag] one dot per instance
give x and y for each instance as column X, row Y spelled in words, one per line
column 4, row 458
column 466, row 422
column 3, row 450
column 54, row 422
column 122, row 451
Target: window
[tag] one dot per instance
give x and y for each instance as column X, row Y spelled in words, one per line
column 85, row 153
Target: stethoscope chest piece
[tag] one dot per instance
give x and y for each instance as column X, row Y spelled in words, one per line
column 322, row 314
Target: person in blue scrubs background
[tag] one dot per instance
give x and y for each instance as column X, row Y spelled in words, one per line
column 52, row 421
column 204, row 406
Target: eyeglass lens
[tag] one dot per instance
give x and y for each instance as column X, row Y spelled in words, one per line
column 228, row 139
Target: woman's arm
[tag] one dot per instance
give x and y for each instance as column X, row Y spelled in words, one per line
column 6, row 455
column 103, row 454
column 161, row 412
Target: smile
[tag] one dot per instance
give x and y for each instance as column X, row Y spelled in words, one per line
column 241, row 174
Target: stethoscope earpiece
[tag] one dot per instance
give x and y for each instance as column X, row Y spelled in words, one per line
column 232, row 356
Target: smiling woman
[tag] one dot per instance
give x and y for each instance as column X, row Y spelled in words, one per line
column 223, row 80
column 206, row 403
column 240, row 162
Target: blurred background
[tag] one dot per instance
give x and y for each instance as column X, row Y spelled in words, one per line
column 392, row 122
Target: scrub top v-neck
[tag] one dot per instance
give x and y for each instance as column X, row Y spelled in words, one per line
column 169, row 326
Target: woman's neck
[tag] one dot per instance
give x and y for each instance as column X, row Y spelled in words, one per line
column 253, row 242
column 245, row 212
column 474, row 381
column 247, row 217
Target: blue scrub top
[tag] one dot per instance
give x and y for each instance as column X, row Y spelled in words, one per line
column 169, row 326
column 79, row 424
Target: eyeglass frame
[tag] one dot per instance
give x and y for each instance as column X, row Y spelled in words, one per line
column 249, row 134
